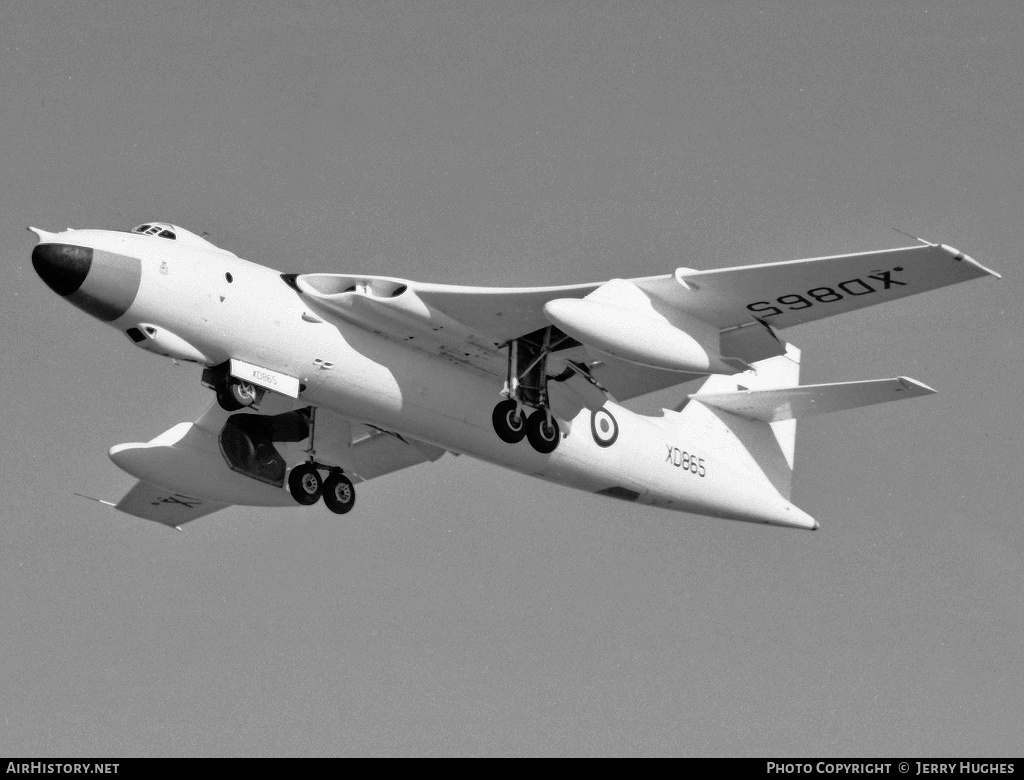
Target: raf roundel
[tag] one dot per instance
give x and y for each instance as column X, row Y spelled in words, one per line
column 604, row 427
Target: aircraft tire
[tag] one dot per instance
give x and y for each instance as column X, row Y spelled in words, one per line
column 543, row 435
column 227, row 401
column 509, row 424
column 243, row 393
column 305, row 484
column 339, row 494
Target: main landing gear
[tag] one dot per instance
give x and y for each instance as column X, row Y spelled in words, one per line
column 307, row 486
column 526, row 385
column 247, row 443
column 512, row 425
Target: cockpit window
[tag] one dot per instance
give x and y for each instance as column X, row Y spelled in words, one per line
column 163, row 231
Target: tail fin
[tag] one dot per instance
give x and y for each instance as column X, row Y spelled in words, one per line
column 756, row 447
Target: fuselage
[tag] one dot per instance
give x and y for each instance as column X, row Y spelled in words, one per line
column 187, row 299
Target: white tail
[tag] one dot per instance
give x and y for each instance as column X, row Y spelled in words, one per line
column 761, row 450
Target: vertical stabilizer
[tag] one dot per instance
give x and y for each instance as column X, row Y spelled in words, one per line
column 762, row 450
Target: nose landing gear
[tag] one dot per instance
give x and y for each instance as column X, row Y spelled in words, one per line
column 232, row 393
column 235, row 395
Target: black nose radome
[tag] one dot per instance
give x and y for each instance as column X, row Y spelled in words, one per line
column 62, row 266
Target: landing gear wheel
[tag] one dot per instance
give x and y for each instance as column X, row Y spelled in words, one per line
column 305, row 484
column 542, row 432
column 243, row 393
column 234, row 395
column 227, row 401
column 509, row 422
column 339, row 494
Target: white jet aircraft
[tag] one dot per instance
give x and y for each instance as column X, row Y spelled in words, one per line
column 326, row 380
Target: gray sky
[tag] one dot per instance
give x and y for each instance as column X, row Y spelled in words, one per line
column 462, row 608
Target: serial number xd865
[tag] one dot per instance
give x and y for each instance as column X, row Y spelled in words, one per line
column 851, row 288
column 263, row 376
column 686, row 461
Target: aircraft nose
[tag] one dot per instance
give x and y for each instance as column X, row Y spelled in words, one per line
column 102, row 283
column 62, row 266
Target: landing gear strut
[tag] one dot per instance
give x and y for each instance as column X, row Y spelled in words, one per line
column 307, row 486
column 526, row 385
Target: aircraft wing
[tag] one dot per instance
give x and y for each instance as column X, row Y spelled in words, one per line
column 171, row 508
column 470, row 325
column 183, row 473
column 784, row 293
column 365, row 452
column 490, row 316
column 798, row 291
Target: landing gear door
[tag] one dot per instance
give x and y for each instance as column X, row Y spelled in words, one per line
column 332, row 438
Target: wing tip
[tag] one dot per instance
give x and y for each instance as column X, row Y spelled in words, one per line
column 963, row 258
column 918, row 388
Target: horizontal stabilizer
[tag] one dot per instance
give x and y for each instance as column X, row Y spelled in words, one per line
column 789, row 403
